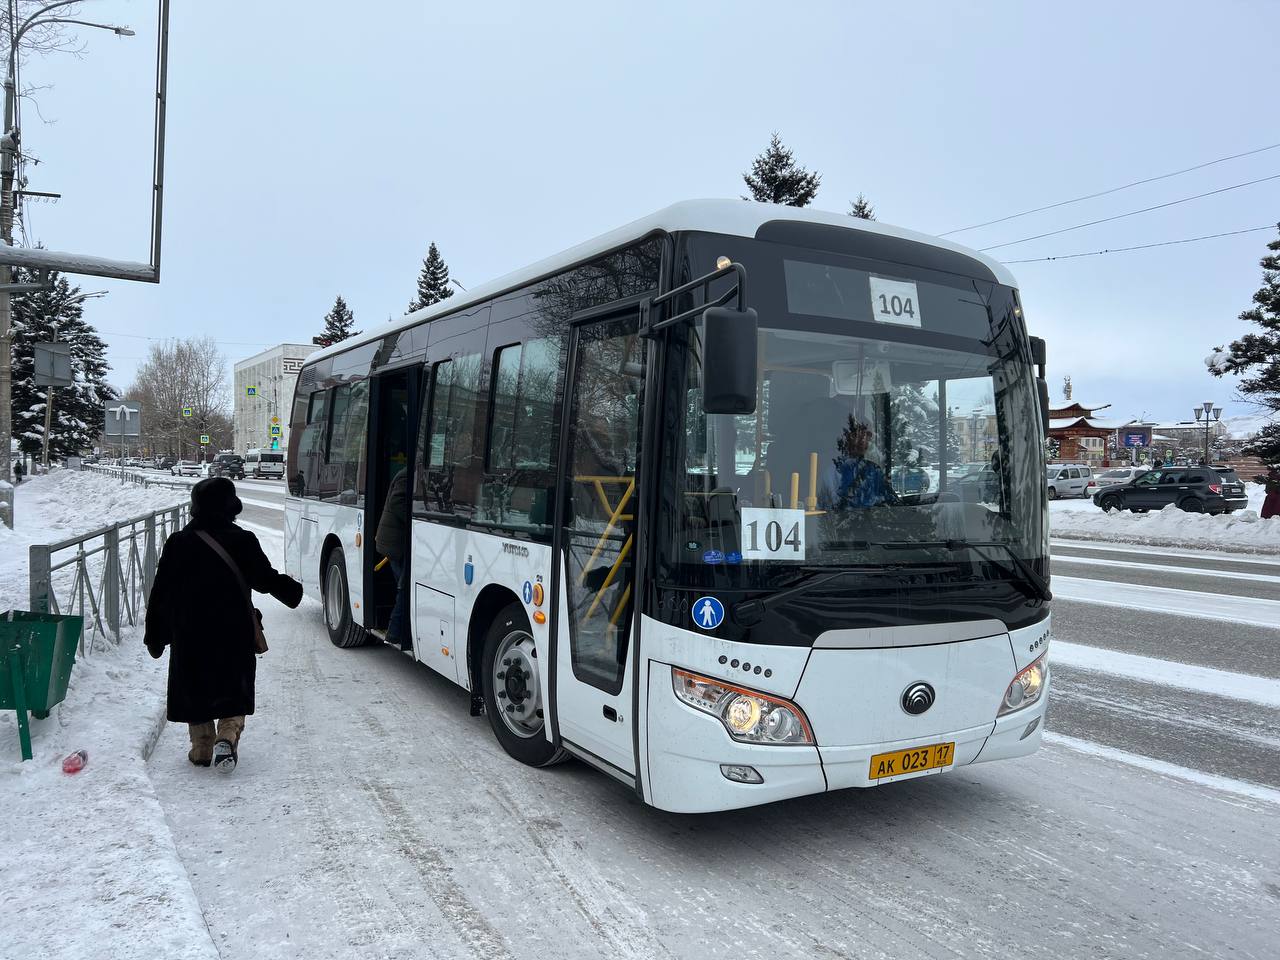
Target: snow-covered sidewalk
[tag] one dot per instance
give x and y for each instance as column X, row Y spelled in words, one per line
column 1242, row 531
column 89, row 863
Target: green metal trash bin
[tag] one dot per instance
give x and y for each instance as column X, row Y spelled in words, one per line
column 38, row 651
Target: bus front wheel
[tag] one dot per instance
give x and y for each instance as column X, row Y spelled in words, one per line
column 513, row 694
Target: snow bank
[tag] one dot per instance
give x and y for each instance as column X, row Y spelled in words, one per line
column 1244, row 530
column 90, row 866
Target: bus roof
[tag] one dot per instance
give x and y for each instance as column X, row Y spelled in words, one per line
column 740, row 218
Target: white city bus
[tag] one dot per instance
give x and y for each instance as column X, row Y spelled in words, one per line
column 681, row 502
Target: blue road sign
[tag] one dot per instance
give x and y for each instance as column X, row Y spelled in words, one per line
column 708, row 612
column 528, row 592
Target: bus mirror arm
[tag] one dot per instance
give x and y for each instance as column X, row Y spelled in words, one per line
column 650, row 306
column 729, row 339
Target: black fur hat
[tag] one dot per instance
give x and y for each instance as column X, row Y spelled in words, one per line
column 214, row 499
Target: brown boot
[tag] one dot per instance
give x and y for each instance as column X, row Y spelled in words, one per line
column 202, row 736
column 226, row 747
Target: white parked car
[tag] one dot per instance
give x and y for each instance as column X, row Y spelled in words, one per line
column 1120, row 475
column 1070, row 480
column 185, row 468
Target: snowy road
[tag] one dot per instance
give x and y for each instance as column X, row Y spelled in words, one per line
column 372, row 816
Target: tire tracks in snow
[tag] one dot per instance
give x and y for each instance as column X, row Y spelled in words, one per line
column 620, row 924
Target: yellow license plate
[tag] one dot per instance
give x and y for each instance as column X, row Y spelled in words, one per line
column 898, row 762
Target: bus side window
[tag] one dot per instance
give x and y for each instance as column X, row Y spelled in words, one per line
column 522, row 438
column 432, row 491
column 464, row 465
column 313, row 413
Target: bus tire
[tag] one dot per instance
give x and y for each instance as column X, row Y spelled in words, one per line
column 511, row 684
column 336, row 601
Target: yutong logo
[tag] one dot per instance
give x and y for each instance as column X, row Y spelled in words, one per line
column 515, row 549
column 917, row 698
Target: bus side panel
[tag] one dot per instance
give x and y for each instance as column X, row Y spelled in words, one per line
column 293, row 538
column 436, row 577
column 510, row 564
column 319, row 521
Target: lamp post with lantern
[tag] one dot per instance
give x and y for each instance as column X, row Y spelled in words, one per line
column 1211, row 415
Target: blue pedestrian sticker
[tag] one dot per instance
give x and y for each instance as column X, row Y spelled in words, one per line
column 528, row 592
column 708, row 612
column 713, row 556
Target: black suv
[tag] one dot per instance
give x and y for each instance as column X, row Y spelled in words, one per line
column 228, row 465
column 1194, row 489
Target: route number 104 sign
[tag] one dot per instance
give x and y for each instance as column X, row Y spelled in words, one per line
column 769, row 534
column 895, row 301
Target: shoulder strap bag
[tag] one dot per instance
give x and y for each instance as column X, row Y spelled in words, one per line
column 259, row 638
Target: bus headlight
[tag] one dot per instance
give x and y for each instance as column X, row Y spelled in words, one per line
column 749, row 716
column 1027, row 686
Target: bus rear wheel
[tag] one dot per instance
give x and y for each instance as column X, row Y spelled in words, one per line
column 512, row 686
column 343, row 631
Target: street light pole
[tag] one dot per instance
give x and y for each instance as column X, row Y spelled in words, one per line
column 1211, row 415
column 9, row 139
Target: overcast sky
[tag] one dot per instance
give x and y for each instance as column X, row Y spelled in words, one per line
column 316, row 148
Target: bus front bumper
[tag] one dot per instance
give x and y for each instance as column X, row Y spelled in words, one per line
column 688, row 751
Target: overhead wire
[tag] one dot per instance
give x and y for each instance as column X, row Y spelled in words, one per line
column 1146, row 246
column 1103, row 193
column 1131, row 213
column 228, row 343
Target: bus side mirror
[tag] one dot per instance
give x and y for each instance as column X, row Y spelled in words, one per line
column 729, row 356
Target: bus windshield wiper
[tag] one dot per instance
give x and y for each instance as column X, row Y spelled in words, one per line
column 750, row 612
column 1024, row 575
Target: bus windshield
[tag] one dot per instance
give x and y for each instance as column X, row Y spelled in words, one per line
column 907, row 440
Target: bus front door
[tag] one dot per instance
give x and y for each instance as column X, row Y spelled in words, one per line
column 597, row 530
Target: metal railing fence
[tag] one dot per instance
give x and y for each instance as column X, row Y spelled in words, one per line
column 105, row 575
column 141, row 479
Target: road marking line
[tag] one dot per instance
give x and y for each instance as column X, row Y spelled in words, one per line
column 1263, row 691
column 279, row 505
column 1240, row 788
column 1166, row 568
column 1110, row 546
column 1189, row 603
column 260, row 528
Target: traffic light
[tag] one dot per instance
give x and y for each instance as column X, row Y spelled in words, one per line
column 275, row 443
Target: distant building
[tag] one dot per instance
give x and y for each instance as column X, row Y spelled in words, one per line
column 263, row 388
column 1082, row 436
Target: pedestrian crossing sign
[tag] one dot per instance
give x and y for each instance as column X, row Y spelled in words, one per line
column 186, row 412
column 250, row 391
column 204, row 439
column 275, row 431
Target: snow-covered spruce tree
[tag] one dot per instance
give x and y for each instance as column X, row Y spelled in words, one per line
column 775, row 178
column 337, row 324
column 862, row 209
column 915, row 424
column 1258, row 354
column 433, row 281
column 41, row 317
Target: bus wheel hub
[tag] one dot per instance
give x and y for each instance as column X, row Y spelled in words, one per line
column 515, row 673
